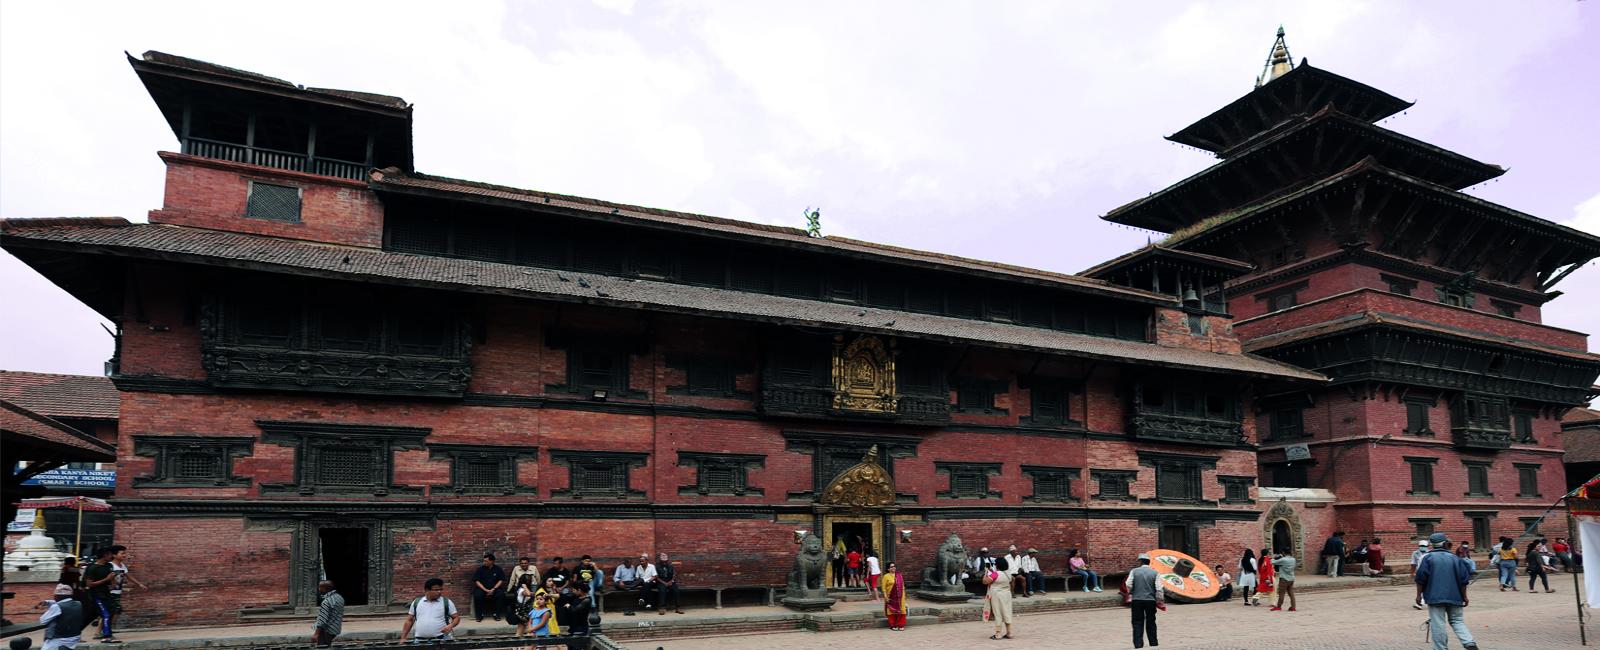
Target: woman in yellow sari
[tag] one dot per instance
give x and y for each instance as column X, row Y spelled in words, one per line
column 894, row 597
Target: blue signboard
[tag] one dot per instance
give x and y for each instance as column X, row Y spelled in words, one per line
column 83, row 478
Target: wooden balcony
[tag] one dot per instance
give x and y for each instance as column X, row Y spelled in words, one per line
column 298, row 162
column 1183, row 429
column 1480, row 438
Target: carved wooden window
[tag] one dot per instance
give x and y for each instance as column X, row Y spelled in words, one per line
column 273, row 202
column 1178, row 475
column 1477, row 478
column 710, row 378
column 1287, row 423
column 482, row 469
column 1528, row 479
column 1522, row 426
column 1507, row 309
column 342, row 458
column 1114, row 485
column 977, row 395
column 1417, row 417
column 597, row 368
column 720, row 474
column 1424, row 526
column 1482, row 539
column 1482, row 413
column 192, row 461
column 1236, row 489
column 267, row 320
column 1051, row 484
column 968, row 480
column 1051, row 404
column 353, row 330
column 1399, row 285
column 598, row 474
column 1421, row 476
column 1455, row 297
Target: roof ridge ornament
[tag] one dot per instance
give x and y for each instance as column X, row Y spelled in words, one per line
column 1278, row 62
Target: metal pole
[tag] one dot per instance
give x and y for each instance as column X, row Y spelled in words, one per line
column 77, row 542
column 1583, row 638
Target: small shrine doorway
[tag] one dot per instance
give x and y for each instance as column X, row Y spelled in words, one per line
column 860, row 534
column 853, row 509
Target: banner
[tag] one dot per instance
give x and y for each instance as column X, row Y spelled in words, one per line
column 79, row 478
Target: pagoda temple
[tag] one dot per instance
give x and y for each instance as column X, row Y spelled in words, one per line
column 1421, row 302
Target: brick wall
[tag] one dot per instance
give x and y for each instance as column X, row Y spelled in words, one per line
column 210, row 193
column 1321, row 309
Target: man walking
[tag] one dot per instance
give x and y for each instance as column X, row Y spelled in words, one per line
column 64, row 620
column 1416, row 558
column 1144, row 586
column 488, row 586
column 1284, row 565
column 330, row 615
column 431, row 617
column 119, row 567
column 1333, row 553
column 1442, row 582
column 98, row 578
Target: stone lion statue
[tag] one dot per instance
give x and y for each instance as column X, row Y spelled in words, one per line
column 950, row 562
column 806, row 579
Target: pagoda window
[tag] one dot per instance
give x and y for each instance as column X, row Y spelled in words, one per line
column 1507, row 309
column 978, row 396
column 1454, row 297
column 1421, row 475
column 1477, row 478
column 1417, row 417
column 272, row 321
column 1051, row 484
column 1399, row 285
column 1178, row 475
column 711, row 377
column 1050, row 404
column 1528, row 480
column 1522, row 426
column 597, row 369
column 273, row 202
column 1114, row 484
column 422, row 334
column 1287, row 423
column 483, row 469
column 190, row 461
column 968, row 480
column 1236, row 489
column 341, row 458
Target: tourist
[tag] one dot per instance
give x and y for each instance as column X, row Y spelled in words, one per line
column 524, row 568
column 1247, row 576
column 64, row 620
column 1147, row 594
column 1266, row 577
column 578, row 610
column 893, row 587
column 998, row 600
column 119, row 566
column 1030, row 567
column 646, row 581
column 431, row 617
column 521, row 602
column 1442, row 583
column 852, row 567
column 1536, row 568
column 558, row 567
column 1563, row 553
column 590, row 574
column 839, row 553
column 1505, row 557
column 667, row 583
column 874, row 574
column 1416, row 556
column 488, row 588
column 1374, row 566
column 1332, row 553
column 1078, row 565
column 539, row 617
column 97, row 579
column 1283, row 565
column 330, row 615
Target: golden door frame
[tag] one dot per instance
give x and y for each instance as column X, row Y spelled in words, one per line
column 876, row 521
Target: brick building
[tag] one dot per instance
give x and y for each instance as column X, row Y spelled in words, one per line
column 331, row 362
column 83, row 403
column 1420, row 302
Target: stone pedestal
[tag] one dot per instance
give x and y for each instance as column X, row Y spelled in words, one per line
column 808, row 604
column 943, row 596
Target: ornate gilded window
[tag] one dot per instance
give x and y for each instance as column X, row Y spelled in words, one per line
column 864, row 375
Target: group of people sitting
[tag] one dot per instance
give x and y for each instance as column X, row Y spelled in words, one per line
column 560, row 599
column 1027, row 579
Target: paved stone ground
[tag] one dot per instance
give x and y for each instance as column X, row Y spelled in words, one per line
column 1357, row 619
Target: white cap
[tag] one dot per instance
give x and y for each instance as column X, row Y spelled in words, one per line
column 1422, row 542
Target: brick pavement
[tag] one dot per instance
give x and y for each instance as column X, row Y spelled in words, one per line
column 1357, row 619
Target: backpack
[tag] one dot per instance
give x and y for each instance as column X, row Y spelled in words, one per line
column 449, row 608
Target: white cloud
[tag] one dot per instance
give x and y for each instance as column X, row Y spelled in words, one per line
column 1586, row 216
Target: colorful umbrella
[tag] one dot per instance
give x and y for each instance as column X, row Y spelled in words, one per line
column 76, row 503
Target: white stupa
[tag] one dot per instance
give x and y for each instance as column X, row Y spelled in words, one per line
column 36, row 552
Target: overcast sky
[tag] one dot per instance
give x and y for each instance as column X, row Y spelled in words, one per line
column 997, row 130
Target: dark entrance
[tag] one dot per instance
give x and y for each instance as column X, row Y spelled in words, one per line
column 1480, row 534
column 1282, row 541
column 1175, row 537
column 344, row 561
column 857, row 537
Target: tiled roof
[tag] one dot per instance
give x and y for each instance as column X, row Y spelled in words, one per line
column 1581, row 417
column 1369, row 317
column 60, row 396
column 29, row 429
column 1580, row 435
column 1231, row 267
column 212, row 69
column 238, row 250
column 395, row 179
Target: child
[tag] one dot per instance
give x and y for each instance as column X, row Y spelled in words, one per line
column 874, row 574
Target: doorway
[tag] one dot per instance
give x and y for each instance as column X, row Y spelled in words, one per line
column 1282, row 539
column 344, row 554
column 1480, row 534
column 860, row 534
column 1175, row 537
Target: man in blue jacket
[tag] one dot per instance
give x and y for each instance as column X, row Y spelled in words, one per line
column 1442, row 581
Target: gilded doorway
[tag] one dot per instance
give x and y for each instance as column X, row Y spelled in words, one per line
column 853, row 507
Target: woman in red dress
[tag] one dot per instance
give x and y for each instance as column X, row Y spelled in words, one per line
column 1374, row 566
column 894, row 598
column 1266, row 576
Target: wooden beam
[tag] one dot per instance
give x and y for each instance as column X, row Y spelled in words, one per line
column 1529, row 262
column 1321, row 209
column 1397, row 234
column 1542, row 276
column 1316, row 149
column 1373, row 212
column 1570, row 268
column 1421, row 246
column 1459, row 245
column 1356, row 204
column 1283, row 232
column 1519, row 247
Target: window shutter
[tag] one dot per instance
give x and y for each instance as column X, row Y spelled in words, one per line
column 273, row 202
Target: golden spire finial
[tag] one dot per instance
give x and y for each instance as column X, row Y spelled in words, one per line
column 1278, row 61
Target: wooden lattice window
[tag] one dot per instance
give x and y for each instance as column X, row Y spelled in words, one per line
column 198, row 465
column 1477, row 478
column 1287, row 423
column 482, row 469
column 1236, row 489
column 342, row 458
column 968, row 480
column 344, row 466
column 720, row 474
column 192, row 461
column 1528, row 479
column 1421, row 476
column 597, row 474
column 1114, row 485
column 273, row 202
column 1178, row 475
column 1051, row 484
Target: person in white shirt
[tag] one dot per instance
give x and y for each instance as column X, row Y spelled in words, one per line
column 432, row 616
column 63, row 621
column 874, row 573
column 1018, row 576
column 1030, row 568
column 645, row 573
column 1416, row 556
